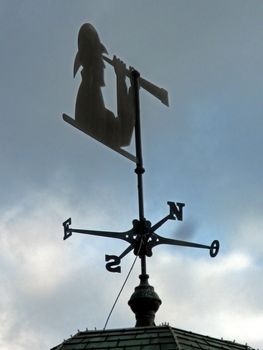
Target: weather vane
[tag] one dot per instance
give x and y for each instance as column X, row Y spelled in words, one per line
column 94, row 119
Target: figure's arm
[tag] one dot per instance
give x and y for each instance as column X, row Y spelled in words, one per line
column 124, row 103
column 122, row 94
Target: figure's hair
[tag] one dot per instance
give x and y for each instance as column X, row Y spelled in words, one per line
column 90, row 52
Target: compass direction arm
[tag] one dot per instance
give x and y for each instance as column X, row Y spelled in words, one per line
column 176, row 212
column 160, row 223
column 126, row 251
column 126, row 236
column 156, row 239
column 113, row 261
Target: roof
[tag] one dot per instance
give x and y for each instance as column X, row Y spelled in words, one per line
column 146, row 338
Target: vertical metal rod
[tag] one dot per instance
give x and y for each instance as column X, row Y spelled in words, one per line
column 139, row 168
column 138, row 144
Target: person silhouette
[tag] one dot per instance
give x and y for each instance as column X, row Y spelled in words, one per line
column 90, row 112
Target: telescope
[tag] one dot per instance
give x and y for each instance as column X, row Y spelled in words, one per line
column 154, row 90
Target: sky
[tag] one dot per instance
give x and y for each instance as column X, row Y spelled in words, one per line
column 205, row 150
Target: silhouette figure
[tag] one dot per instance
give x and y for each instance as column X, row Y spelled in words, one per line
column 91, row 115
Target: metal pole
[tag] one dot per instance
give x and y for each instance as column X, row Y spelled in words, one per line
column 139, row 168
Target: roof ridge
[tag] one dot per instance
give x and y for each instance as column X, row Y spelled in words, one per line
column 198, row 335
column 174, row 336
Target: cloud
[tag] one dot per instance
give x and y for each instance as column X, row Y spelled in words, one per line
column 219, row 295
column 49, row 286
column 36, row 265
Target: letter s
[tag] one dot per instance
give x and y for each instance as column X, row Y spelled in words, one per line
column 112, row 266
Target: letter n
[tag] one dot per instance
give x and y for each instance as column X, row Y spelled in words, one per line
column 176, row 210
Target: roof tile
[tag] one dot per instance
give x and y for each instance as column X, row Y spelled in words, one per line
column 146, row 338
